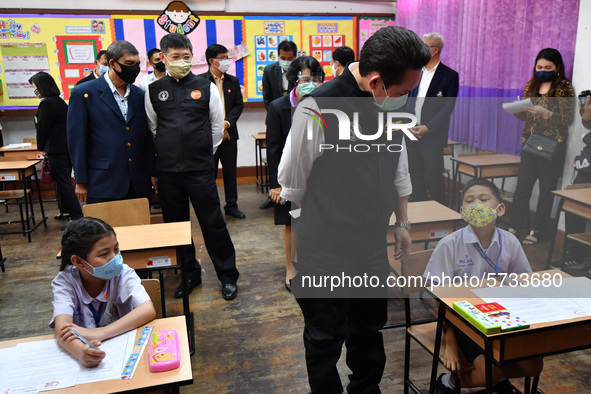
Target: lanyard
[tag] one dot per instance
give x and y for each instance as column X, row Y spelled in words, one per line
column 95, row 314
column 494, row 265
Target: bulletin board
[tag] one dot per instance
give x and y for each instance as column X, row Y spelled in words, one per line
column 315, row 36
column 58, row 44
column 65, row 45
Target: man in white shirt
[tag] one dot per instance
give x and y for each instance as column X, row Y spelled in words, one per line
column 158, row 66
column 433, row 102
column 348, row 186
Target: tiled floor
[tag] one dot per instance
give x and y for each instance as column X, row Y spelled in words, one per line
column 252, row 344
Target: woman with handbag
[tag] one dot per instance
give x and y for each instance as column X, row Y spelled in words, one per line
column 50, row 122
column 543, row 141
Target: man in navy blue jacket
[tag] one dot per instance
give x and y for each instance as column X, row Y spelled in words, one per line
column 110, row 144
column 433, row 102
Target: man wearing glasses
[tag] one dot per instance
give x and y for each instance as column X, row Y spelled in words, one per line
column 186, row 116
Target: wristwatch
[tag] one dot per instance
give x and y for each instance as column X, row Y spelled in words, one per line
column 406, row 225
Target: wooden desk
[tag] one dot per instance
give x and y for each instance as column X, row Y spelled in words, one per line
column 21, row 171
column 540, row 340
column 30, row 152
column 261, row 171
column 576, row 202
column 485, row 166
column 142, row 378
column 449, row 148
column 430, row 220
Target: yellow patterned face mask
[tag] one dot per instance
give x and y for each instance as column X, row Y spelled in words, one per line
column 479, row 215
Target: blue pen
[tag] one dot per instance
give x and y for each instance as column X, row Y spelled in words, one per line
column 79, row 336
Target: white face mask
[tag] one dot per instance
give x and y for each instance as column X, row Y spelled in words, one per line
column 224, row 65
column 334, row 69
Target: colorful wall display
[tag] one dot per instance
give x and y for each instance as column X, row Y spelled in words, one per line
column 58, row 44
column 65, row 45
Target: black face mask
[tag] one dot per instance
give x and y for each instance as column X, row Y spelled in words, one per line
column 160, row 66
column 128, row 73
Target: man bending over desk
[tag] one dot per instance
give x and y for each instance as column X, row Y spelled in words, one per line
column 477, row 250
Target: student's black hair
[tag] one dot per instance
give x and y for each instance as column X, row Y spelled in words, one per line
column 80, row 236
column 45, row 84
column 118, row 48
column 391, row 51
column 213, row 51
column 303, row 63
column 176, row 41
column 152, row 52
column 288, row 46
column 101, row 53
column 482, row 182
column 343, row 55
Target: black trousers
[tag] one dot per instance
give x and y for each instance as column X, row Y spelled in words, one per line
column 227, row 153
column 175, row 189
column 425, row 164
column 534, row 168
column 61, row 170
column 356, row 322
column 575, row 224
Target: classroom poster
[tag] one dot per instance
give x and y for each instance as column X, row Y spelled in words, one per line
column 144, row 33
column 368, row 27
column 35, row 38
column 315, row 36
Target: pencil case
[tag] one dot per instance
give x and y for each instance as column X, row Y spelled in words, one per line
column 164, row 351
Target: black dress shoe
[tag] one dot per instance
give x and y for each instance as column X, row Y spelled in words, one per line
column 288, row 286
column 191, row 284
column 267, row 204
column 236, row 213
column 229, row 291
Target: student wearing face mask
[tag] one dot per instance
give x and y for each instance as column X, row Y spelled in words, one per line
column 306, row 74
column 186, row 116
column 479, row 250
column 101, row 66
column 110, row 144
column 432, row 102
column 157, row 65
column 229, row 88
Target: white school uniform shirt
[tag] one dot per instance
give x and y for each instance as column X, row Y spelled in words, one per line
column 120, row 295
column 456, row 255
column 145, row 81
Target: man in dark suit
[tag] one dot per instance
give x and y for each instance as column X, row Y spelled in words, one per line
column 432, row 102
column 229, row 88
column 110, row 144
column 275, row 83
column 101, row 66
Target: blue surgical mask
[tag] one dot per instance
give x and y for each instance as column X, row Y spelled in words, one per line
column 108, row 271
column 284, row 64
column 307, row 88
column 390, row 103
column 103, row 69
column 545, row 76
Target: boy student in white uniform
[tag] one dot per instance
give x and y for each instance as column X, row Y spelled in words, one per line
column 476, row 250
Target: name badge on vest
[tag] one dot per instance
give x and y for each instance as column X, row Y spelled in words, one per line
column 163, row 95
column 196, row 94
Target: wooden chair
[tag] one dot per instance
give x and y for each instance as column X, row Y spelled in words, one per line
column 152, row 287
column 120, row 213
column 424, row 332
column 583, row 238
column 18, row 197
